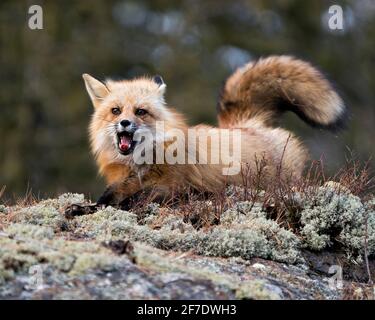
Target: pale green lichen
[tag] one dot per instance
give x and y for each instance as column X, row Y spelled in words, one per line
column 67, row 199
column 37, row 232
column 151, row 209
column 87, row 261
column 258, row 290
column 26, row 231
column 328, row 216
column 243, row 289
column 370, row 204
column 48, row 212
column 3, row 209
column 241, row 234
column 23, row 246
column 42, row 214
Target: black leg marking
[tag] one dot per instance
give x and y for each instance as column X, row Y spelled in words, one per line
column 129, row 202
column 107, row 198
column 75, row 210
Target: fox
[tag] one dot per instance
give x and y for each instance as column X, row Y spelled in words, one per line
column 251, row 102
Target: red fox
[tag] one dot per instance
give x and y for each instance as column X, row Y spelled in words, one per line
column 251, row 102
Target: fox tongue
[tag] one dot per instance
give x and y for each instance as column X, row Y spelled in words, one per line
column 124, row 143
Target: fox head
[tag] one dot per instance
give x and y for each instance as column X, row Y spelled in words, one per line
column 123, row 109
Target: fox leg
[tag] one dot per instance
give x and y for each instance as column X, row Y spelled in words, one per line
column 122, row 195
column 106, row 199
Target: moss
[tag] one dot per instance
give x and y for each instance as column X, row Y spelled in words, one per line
column 258, row 290
column 370, row 204
column 4, row 209
column 89, row 261
column 241, row 234
column 26, row 231
column 329, row 216
column 33, row 236
column 268, row 238
column 67, row 199
column 29, row 245
column 245, row 231
column 243, row 289
column 151, row 209
column 48, row 212
column 15, row 257
column 42, row 214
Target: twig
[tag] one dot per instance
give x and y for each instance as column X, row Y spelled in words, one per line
column 2, row 190
column 366, row 251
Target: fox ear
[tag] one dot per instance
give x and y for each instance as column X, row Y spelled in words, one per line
column 97, row 90
column 160, row 82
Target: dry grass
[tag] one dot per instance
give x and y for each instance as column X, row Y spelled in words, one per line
column 357, row 291
column 28, row 199
column 2, row 191
column 276, row 196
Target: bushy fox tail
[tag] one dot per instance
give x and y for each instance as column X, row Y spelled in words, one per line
column 263, row 90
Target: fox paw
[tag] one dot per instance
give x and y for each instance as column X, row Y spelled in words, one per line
column 75, row 210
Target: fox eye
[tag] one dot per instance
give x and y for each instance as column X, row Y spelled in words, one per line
column 116, row 111
column 140, row 112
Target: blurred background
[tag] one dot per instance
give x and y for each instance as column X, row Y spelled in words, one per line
column 194, row 45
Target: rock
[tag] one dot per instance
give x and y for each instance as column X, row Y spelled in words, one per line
column 114, row 254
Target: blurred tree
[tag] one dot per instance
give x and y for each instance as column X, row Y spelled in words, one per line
column 194, row 44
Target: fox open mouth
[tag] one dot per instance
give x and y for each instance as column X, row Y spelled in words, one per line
column 125, row 142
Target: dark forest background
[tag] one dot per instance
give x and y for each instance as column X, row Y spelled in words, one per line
column 194, row 45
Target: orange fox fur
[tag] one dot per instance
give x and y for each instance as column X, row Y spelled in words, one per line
column 252, row 100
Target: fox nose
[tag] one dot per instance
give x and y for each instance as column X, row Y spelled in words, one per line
column 125, row 123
